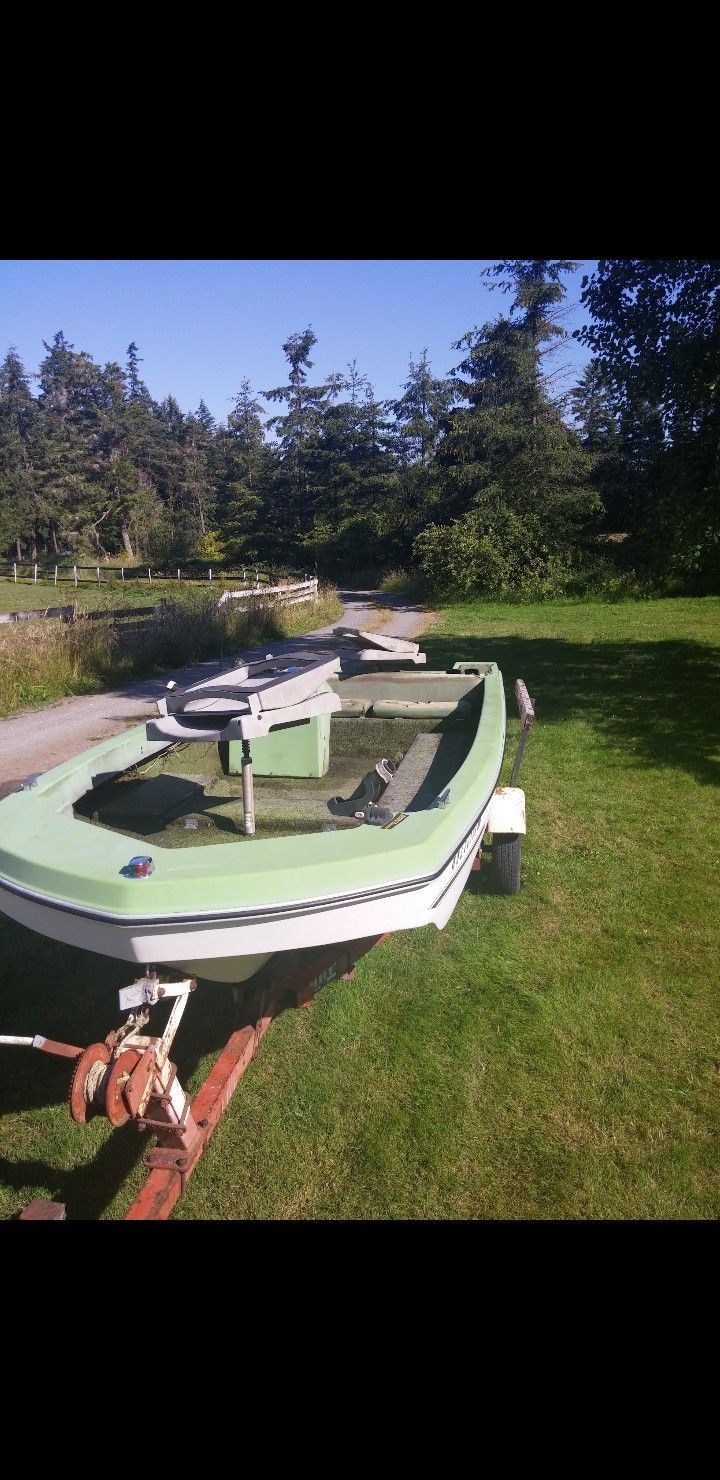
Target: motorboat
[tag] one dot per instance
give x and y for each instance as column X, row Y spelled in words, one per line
column 292, row 800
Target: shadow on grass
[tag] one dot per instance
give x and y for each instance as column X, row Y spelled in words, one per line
column 660, row 698
column 71, row 995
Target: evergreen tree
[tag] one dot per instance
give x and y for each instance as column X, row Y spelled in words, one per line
column 165, row 525
column 655, row 333
column 197, row 493
column 292, row 495
column 421, row 419
column 69, row 395
column 136, row 388
column 514, row 469
column 20, row 448
column 597, row 421
column 244, row 463
column 351, row 475
column 421, row 412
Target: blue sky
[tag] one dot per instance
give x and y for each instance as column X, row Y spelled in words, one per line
column 203, row 326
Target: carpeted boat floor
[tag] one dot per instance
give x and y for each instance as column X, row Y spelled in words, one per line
column 183, row 799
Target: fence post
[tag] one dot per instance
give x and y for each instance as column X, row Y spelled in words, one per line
column 35, row 575
column 149, row 576
column 14, row 571
column 210, row 574
column 178, row 572
column 257, row 579
column 75, row 573
column 97, row 572
column 122, row 573
column 56, row 575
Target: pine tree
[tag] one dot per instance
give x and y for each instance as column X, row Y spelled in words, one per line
column 352, row 476
column 655, row 332
column 68, row 399
column 243, row 464
column 20, row 449
column 421, row 412
column 515, row 470
column 597, row 421
column 292, row 496
column 421, row 419
column 197, row 492
column 136, row 388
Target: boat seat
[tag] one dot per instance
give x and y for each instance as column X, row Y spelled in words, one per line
column 355, row 635
column 424, row 771
column 413, row 770
column 375, row 647
column 248, row 701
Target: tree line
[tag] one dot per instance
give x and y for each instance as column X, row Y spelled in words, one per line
column 486, row 479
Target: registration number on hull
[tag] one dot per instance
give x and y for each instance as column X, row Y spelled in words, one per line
column 467, row 846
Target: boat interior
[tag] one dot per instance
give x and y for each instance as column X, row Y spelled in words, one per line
column 395, row 738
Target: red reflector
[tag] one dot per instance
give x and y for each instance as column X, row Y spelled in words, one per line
column 138, row 868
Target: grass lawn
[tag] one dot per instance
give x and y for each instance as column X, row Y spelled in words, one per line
column 553, row 1055
column 26, row 596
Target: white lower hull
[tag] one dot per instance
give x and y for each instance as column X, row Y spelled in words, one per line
column 234, row 949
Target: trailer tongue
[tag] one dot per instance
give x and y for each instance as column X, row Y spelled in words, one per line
column 129, row 1076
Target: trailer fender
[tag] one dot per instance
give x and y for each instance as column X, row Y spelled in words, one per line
column 507, row 810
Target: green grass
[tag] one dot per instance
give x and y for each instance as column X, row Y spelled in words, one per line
column 554, row 1055
column 25, row 596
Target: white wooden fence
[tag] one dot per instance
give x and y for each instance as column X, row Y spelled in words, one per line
column 290, row 595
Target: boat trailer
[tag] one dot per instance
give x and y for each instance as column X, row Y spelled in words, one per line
column 129, row 1076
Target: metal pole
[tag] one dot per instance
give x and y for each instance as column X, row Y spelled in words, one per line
column 526, row 710
column 247, row 791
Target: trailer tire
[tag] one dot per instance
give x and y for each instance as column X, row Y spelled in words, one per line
column 506, row 863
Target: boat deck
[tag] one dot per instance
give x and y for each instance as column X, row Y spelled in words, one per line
column 181, row 798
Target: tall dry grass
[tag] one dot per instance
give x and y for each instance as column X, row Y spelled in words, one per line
column 42, row 661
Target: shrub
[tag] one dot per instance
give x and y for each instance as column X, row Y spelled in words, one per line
column 407, row 583
column 482, row 555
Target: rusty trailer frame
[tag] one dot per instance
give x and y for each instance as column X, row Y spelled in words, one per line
column 130, row 1076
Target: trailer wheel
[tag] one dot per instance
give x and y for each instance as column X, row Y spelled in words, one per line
column 506, row 862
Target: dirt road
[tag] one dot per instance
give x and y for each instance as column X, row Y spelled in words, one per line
column 38, row 739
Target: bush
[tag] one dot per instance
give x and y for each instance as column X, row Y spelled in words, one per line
column 498, row 555
column 513, row 560
column 407, row 583
column 211, row 547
